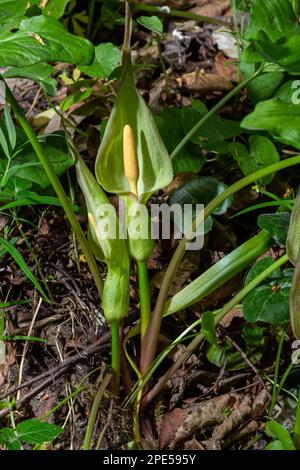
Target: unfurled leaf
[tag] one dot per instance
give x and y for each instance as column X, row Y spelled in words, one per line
column 41, row 39
column 39, row 73
column 280, row 119
column 107, row 59
column 220, row 273
column 276, row 225
column 33, row 431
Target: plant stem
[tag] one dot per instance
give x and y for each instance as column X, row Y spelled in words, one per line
column 115, row 357
column 276, row 374
column 152, row 333
column 213, row 111
column 199, row 338
column 57, row 186
column 94, row 411
column 144, row 289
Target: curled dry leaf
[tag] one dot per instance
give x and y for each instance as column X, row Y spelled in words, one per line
column 235, row 419
column 204, row 82
column 226, row 68
column 179, row 424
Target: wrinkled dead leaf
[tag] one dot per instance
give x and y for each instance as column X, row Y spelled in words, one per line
column 204, row 82
column 188, row 266
column 226, row 68
column 180, row 424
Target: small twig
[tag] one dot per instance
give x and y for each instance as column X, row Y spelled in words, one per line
column 88, row 351
column 250, row 364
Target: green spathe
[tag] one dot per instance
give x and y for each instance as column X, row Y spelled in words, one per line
column 155, row 168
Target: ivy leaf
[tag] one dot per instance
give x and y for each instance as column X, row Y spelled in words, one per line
column 259, row 267
column 276, row 225
column 282, row 120
column 269, row 303
column 33, row 431
column 107, row 59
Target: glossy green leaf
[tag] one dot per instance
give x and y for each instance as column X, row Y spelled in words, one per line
column 39, row 73
column 276, row 17
column 284, row 54
column 262, row 153
column 215, row 131
column 170, row 125
column 277, row 430
column 107, row 59
column 9, row 439
column 220, row 273
column 269, row 302
column 155, row 168
column 259, row 267
column 27, row 166
column 276, row 225
column 282, row 120
column 201, row 190
column 208, row 327
column 56, row 8
column 41, row 39
column 33, row 431
column 152, row 23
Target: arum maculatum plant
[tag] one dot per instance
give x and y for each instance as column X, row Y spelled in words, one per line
column 133, row 163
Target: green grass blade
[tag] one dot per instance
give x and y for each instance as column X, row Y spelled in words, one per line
column 23, row 265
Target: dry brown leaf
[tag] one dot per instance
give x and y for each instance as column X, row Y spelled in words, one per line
column 237, row 417
column 226, row 68
column 188, row 266
column 180, row 424
column 211, row 8
column 204, row 82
